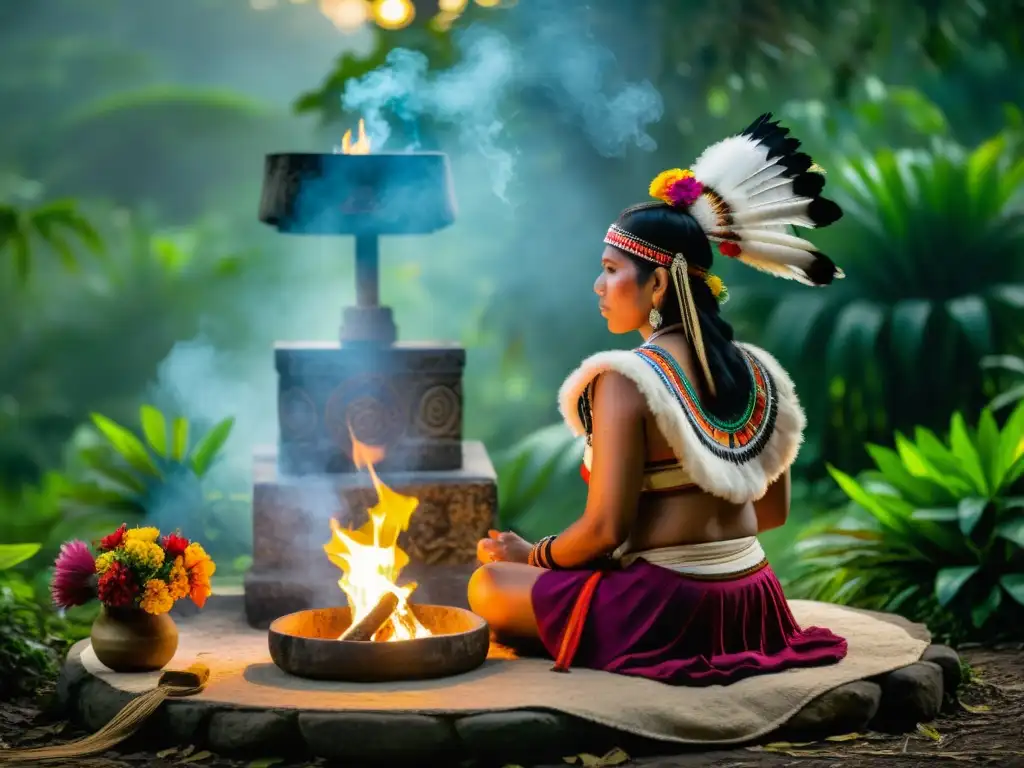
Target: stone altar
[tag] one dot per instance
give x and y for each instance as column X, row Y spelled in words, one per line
column 403, row 397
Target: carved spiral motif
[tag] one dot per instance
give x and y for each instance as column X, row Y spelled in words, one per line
column 296, row 414
column 370, row 407
column 439, row 412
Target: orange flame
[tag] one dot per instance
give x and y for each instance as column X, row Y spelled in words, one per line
column 370, row 558
column 359, row 147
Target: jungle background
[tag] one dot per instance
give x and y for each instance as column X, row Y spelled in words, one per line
column 139, row 296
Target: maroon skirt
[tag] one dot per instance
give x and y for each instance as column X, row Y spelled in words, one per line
column 649, row 621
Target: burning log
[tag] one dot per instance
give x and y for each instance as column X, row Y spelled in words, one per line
column 364, row 629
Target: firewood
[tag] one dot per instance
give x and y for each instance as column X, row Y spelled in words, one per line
column 364, row 629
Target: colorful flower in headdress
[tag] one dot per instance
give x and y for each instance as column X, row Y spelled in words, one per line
column 718, row 288
column 729, row 248
column 73, row 575
column 677, row 187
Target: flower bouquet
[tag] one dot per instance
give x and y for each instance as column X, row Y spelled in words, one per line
column 137, row 575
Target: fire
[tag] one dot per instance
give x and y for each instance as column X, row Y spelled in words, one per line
column 370, row 558
column 361, row 146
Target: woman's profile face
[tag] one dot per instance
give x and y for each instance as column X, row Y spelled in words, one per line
column 623, row 304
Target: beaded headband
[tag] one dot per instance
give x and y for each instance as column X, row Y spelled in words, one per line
column 624, row 240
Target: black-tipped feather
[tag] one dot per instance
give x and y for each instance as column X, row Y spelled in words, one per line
column 823, row 212
column 822, row 270
column 808, row 184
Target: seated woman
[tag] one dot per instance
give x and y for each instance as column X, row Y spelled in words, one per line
column 689, row 442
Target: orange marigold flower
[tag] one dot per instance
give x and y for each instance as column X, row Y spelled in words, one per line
column 177, row 581
column 156, row 598
column 200, row 568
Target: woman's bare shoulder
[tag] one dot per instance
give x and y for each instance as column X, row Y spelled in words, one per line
column 616, row 392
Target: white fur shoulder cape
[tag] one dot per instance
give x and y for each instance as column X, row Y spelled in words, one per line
column 736, row 461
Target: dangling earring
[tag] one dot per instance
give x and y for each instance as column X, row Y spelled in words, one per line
column 654, row 318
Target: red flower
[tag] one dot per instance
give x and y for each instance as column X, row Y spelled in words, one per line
column 117, row 586
column 113, row 541
column 175, row 545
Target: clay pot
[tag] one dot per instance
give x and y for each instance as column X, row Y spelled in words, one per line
column 131, row 640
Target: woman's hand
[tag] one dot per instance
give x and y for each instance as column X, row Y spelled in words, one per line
column 503, row 547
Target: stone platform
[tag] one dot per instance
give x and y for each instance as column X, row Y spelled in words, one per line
column 512, row 710
column 291, row 524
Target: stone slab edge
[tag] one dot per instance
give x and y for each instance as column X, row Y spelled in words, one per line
column 232, row 729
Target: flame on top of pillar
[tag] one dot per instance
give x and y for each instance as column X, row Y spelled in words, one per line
column 361, row 146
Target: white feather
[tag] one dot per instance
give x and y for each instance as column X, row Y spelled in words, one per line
column 782, row 254
column 792, row 212
column 774, row 237
column 784, row 271
column 704, row 214
column 727, row 164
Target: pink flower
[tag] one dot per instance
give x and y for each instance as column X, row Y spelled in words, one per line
column 73, row 575
column 684, row 191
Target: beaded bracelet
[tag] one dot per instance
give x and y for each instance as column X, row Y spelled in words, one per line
column 540, row 555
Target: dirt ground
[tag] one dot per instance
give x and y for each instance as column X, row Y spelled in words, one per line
column 987, row 728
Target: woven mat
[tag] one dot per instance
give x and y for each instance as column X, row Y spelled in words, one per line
column 243, row 675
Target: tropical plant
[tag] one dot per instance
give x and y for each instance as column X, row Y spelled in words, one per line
column 539, row 487
column 13, row 555
column 933, row 249
column 66, row 353
column 1010, row 366
column 51, row 223
column 152, row 474
column 935, row 532
column 27, row 657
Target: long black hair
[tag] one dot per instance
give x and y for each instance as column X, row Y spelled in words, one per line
column 678, row 232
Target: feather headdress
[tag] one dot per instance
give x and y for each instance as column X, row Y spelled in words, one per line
column 755, row 186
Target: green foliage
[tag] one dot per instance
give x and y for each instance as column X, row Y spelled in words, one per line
column 140, row 472
column 933, row 249
column 934, row 533
column 13, row 555
column 51, row 223
column 1010, row 366
column 539, row 487
column 182, row 131
column 68, row 349
column 38, row 516
column 30, row 645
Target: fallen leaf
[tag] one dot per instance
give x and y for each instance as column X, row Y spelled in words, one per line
column 787, row 744
column 196, row 757
column 614, row 757
column 789, row 752
column 166, row 752
column 188, row 750
column 929, row 732
column 845, row 737
column 266, row 762
column 974, row 708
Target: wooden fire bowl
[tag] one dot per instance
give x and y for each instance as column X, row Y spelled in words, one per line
column 305, row 644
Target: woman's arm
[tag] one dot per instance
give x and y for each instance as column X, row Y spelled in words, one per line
column 772, row 509
column 616, row 474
